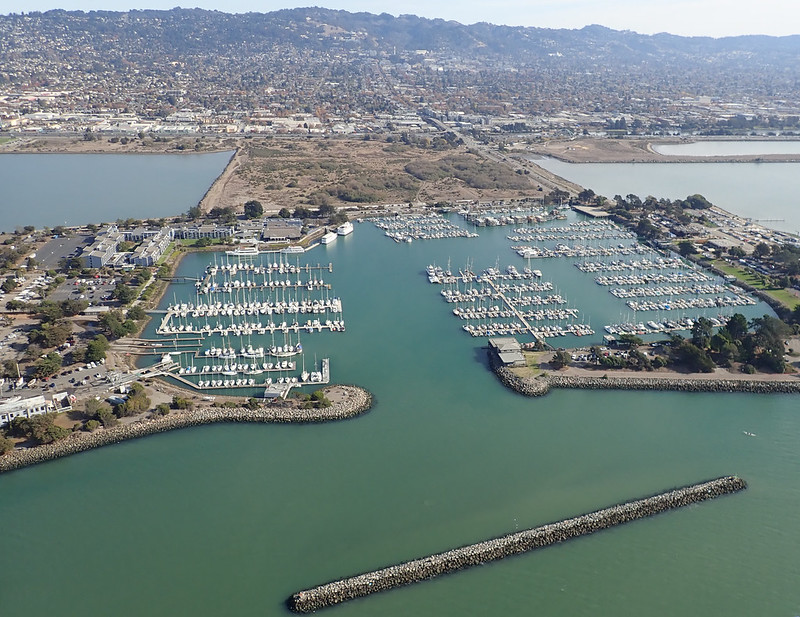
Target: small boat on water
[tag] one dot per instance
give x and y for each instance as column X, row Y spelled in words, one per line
column 345, row 229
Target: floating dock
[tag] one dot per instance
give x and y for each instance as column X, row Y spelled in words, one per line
column 458, row 559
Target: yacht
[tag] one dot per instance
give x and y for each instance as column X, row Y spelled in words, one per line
column 345, row 229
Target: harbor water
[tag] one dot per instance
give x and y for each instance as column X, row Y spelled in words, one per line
column 232, row 519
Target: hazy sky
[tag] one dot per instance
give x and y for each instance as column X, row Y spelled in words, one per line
column 685, row 17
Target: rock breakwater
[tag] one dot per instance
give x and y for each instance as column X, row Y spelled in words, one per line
column 541, row 385
column 355, row 402
column 513, row 544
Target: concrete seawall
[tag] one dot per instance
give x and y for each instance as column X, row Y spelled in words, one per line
column 540, row 386
column 357, row 402
column 513, row 544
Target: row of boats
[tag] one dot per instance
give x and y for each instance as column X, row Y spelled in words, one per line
column 663, row 263
column 669, row 291
column 277, row 307
column 515, row 216
column 655, row 327
column 675, row 278
column 512, row 328
column 578, row 250
column 277, row 351
column 313, row 377
column 410, row 227
column 538, row 236
column 252, row 368
column 682, row 304
column 494, row 312
column 247, row 328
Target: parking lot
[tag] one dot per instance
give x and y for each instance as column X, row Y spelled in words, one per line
column 60, row 248
column 96, row 290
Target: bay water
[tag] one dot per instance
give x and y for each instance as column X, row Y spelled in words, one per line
column 765, row 192
column 728, row 148
column 232, row 519
column 47, row 190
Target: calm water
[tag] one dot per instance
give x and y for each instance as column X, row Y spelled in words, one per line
column 230, row 520
column 729, row 148
column 46, row 190
column 762, row 191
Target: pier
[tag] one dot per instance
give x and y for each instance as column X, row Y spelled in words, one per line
column 432, row 566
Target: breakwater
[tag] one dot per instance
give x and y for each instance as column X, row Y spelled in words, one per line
column 355, row 402
column 506, row 546
column 541, row 385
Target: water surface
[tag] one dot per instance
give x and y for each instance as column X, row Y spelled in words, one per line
column 230, row 520
column 728, row 148
column 765, row 192
column 46, row 190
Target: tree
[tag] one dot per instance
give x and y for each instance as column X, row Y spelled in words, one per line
column 301, row 212
column 761, row 250
column 93, row 406
column 136, row 313
column 114, row 325
column 285, row 213
column 736, row 252
column 253, row 209
column 40, row 428
column 125, row 293
column 137, row 402
column 701, row 332
column 560, row 359
column 737, row 326
column 194, row 213
column 97, row 348
column 630, row 340
column 9, row 285
column 6, row 445
column 686, row 248
column 49, row 365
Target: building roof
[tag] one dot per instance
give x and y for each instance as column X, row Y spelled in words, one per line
column 505, row 344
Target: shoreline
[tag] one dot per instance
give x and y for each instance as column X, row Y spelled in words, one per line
column 356, row 402
column 673, row 382
column 641, row 150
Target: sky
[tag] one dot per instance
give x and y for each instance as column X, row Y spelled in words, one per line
column 714, row 18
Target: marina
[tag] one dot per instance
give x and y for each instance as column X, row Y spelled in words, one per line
column 447, row 456
column 410, row 227
column 495, row 295
column 226, row 338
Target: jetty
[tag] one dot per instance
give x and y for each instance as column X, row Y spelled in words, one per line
column 432, row 566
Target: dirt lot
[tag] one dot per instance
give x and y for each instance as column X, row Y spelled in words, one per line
column 287, row 172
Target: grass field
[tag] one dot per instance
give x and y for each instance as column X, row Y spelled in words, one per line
column 784, row 296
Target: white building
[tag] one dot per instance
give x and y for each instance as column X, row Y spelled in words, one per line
column 18, row 407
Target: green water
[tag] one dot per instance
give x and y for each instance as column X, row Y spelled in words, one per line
column 230, row 520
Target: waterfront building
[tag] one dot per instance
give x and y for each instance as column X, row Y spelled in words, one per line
column 193, row 232
column 150, row 251
column 507, row 350
column 104, row 247
column 18, row 407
